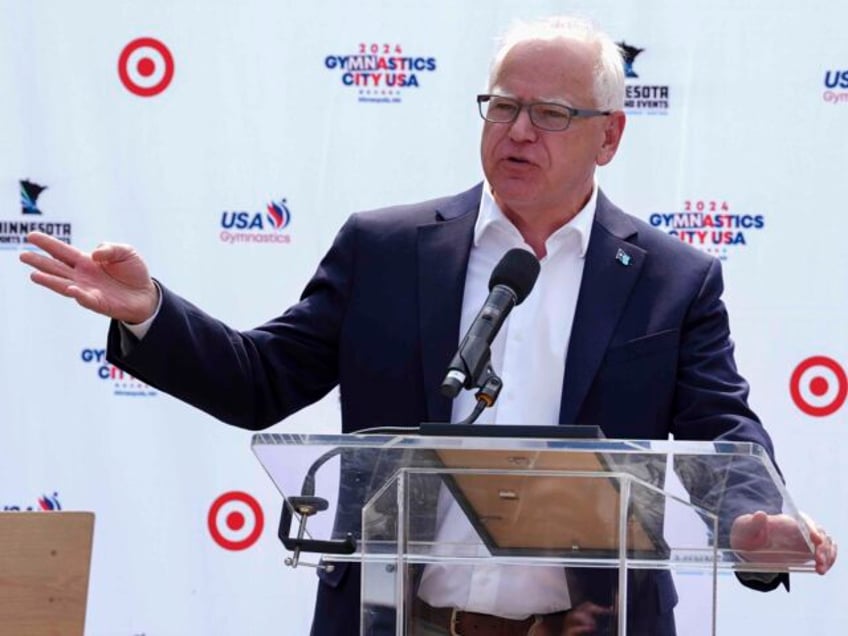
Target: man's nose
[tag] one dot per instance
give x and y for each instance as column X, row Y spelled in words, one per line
column 522, row 129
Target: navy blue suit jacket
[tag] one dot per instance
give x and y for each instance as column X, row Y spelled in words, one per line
column 649, row 355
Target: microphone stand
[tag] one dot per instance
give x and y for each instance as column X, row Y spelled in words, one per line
column 489, row 386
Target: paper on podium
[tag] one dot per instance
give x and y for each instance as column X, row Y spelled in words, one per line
column 553, row 503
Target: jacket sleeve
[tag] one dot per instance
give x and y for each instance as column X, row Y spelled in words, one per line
column 251, row 379
column 711, row 402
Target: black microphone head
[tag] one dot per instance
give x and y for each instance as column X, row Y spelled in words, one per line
column 518, row 270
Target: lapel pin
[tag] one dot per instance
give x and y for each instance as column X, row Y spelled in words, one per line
column 623, row 257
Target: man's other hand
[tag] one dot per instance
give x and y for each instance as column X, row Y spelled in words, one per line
column 112, row 280
column 781, row 537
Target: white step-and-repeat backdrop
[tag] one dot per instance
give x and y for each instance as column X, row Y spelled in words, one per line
column 228, row 141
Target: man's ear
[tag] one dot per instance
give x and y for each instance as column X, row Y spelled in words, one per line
column 613, row 131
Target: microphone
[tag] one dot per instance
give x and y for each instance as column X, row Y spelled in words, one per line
column 510, row 283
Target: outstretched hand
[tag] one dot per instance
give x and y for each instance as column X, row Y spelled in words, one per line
column 780, row 536
column 113, row 280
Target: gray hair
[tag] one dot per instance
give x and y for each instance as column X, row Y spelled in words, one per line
column 609, row 68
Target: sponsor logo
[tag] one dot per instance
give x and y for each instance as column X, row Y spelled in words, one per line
column 146, row 67
column 709, row 225
column 45, row 503
column 235, row 520
column 13, row 231
column 29, row 196
column 835, row 86
column 261, row 226
column 629, row 53
column 819, row 386
column 380, row 73
column 641, row 98
column 123, row 384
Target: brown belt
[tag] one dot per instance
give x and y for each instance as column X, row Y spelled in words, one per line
column 459, row 623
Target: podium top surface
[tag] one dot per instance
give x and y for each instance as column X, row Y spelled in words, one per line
column 682, row 496
column 512, row 437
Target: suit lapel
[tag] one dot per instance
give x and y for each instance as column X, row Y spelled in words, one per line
column 443, row 250
column 612, row 267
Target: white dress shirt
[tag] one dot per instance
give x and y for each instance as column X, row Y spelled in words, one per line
column 529, row 356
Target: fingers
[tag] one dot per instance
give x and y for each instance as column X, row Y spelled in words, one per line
column 58, row 284
column 817, row 534
column 825, row 555
column 758, row 531
column 111, row 253
column 834, row 551
column 48, row 265
column 63, row 252
column 70, row 256
column 826, row 549
column 67, row 288
column 750, row 532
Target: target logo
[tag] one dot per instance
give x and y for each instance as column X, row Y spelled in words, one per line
column 235, row 520
column 146, row 67
column 819, row 386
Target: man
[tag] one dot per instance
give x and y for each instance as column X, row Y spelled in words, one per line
column 628, row 329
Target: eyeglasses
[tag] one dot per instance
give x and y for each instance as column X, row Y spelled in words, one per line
column 544, row 115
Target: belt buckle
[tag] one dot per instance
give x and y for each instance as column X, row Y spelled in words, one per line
column 454, row 621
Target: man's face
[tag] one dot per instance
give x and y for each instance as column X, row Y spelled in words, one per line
column 536, row 173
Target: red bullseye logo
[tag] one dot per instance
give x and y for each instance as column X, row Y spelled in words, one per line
column 819, row 386
column 146, row 67
column 235, row 520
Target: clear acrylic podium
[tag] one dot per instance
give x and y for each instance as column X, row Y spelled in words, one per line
column 624, row 524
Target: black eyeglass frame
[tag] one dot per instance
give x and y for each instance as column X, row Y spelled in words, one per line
column 572, row 112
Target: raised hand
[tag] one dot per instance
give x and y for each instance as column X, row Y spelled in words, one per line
column 781, row 538
column 113, row 280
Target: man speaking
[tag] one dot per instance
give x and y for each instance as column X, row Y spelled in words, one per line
column 624, row 329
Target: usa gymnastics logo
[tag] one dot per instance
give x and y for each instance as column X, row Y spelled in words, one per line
column 13, row 232
column 45, row 503
column 123, row 384
column 641, row 98
column 835, row 85
column 268, row 226
column 146, row 67
column 380, row 73
column 819, row 386
column 709, row 225
column 235, row 520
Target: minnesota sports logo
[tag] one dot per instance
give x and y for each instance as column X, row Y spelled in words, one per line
column 13, row 231
column 29, row 196
column 641, row 98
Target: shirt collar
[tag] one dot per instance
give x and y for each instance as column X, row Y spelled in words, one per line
column 491, row 218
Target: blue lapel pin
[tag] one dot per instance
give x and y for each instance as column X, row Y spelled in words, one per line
column 623, row 257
